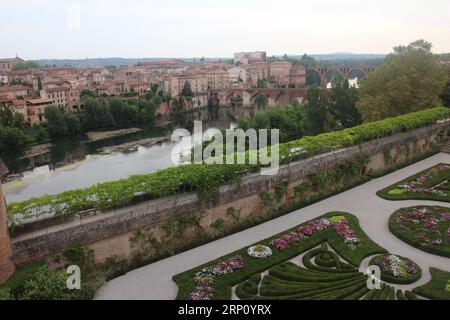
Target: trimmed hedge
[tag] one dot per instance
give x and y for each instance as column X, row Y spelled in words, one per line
column 397, row 280
column 413, row 238
column 384, row 193
column 438, row 288
column 254, row 266
column 206, row 179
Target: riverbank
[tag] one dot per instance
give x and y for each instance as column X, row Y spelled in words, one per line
column 104, row 135
column 133, row 146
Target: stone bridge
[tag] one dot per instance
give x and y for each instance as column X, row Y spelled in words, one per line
column 326, row 73
column 275, row 96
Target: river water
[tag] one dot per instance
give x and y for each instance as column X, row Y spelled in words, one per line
column 74, row 163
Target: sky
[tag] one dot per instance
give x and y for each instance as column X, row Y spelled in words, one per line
column 78, row 29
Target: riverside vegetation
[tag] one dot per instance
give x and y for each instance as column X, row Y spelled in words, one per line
column 206, row 179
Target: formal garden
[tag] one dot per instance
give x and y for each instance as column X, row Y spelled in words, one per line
column 318, row 260
column 430, row 184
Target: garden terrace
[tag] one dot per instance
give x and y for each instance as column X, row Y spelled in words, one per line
column 332, row 248
column 430, row 184
column 206, row 179
column 331, row 279
column 424, row 227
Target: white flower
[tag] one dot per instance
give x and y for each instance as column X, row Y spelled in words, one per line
column 259, row 252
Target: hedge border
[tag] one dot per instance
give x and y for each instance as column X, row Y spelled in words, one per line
column 395, row 230
column 254, row 266
column 384, row 193
column 167, row 182
column 394, row 280
column 435, row 288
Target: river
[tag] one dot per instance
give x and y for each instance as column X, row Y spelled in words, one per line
column 76, row 163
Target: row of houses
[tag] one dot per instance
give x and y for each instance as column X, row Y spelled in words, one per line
column 29, row 91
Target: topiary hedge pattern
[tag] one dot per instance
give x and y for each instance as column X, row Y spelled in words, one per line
column 438, row 288
column 339, row 281
column 353, row 255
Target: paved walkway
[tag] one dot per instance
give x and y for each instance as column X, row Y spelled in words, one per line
column 154, row 282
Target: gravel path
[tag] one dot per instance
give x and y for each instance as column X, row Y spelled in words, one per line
column 154, row 282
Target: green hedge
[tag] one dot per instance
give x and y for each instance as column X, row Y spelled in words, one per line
column 254, row 266
column 205, row 179
column 436, row 288
column 412, row 238
column 396, row 280
column 384, row 193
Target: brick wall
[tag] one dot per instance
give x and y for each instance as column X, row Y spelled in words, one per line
column 6, row 266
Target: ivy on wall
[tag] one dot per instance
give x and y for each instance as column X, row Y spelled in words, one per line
column 206, row 179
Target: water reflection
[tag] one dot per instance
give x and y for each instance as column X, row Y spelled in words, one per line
column 74, row 163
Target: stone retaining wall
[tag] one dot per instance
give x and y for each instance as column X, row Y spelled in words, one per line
column 108, row 233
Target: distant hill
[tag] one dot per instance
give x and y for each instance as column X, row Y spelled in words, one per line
column 95, row 62
column 101, row 62
column 348, row 56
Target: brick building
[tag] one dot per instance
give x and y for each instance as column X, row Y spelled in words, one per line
column 7, row 65
column 7, row 268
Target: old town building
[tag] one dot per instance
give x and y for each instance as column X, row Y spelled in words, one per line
column 7, row 65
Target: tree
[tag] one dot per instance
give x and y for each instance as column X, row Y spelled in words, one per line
column 317, row 116
column 187, row 90
column 6, row 116
column 25, row 65
column 39, row 83
column 19, row 121
column 445, row 96
column 72, row 121
column 85, row 93
column 177, row 113
column 313, row 78
column 56, row 125
column 307, row 61
column 411, row 79
column 147, row 110
column 11, row 138
column 124, row 114
column 343, row 103
column 96, row 115
column 261, row 100
column 288, row 120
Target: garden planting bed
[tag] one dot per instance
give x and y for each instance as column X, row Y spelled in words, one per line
column 424, row 227
column 333, row 247
column 396, row 269
column 430, row 184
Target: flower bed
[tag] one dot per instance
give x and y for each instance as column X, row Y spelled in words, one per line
column 424, row 227
column 205, row 279
column 330, row 279
column 431, row 184
column 195, row 284
column 396, row 269
column 259, row 252
column 338, row 223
